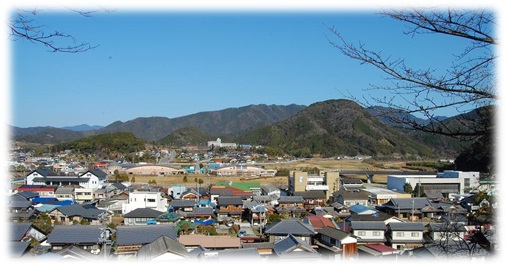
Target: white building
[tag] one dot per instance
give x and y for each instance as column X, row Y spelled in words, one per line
column 218, row 144
column 145, row 199
column 442, row 183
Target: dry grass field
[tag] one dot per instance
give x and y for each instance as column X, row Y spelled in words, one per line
column 322, row 164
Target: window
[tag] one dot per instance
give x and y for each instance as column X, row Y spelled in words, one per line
column 361, row 233
column 400, row 234
column 414, row 234
column 376, row 233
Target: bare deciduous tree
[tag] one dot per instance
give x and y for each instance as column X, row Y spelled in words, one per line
column 23, row 25
column 468, row 84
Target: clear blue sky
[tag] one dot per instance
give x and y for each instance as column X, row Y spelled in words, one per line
column 173, row 63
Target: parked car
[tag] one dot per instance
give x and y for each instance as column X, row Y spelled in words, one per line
column 241, row 233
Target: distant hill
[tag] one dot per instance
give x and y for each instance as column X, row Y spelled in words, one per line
column 336, row 127
column 328, row 128
column 187, row 136
column 230, row 121
column 82, row 127
column 45, row 135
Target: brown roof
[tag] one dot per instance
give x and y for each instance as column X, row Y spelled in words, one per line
column 210, row 241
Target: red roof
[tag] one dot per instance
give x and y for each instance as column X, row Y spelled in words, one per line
column 319, row 221
column 380, row 247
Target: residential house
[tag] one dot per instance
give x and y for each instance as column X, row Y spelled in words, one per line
column 437, row 232
column 176, row 191
column 130, row 238
column 229, row 209
column 408, row 208
column 351, row 197
column 232, row 255
column 256, row 212
column 65, row 193
column 291, row 247
column 312, row 198
column 114, row 204
column 295, row 227
column 145, row 199
column 228, row 191
column 141, row 216
column 182, row 206
column 83, row 195
column 77, row 213
column 42, row 190
column 107, row 191
column 338, row 242
column 377, row 250
column 405, row 235
column 20, row 236
column 219, row 242
column 86, row 237
column 291, row 205
column 369, row 232
column 270, row 189
column 20, row 209
column 191, row 194
column 380, row 196
column 319, row 221
column 162, row 249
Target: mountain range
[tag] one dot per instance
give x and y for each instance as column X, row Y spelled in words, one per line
column 327, row 128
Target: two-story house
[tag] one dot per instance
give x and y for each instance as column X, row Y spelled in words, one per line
column 145, row 199
column 229, row 209
column 405, row 235
column 369, row 232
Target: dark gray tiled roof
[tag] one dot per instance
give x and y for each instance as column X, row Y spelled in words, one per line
column 143, row 213
column 161, row 245
column 78, row 253
column 75, row 234
column 290, row 243
column 378, row 216
column 143, row 234
column 16, row 201
column 44, row 172
column 406, row 226
column 17, row 249
column 61, row 179
column 292, row 226
column 312, row 194
column 242, row 253
column 182, row 203
column 290, row 199
column 368, row 225
column 203, row 211
column 333, row 233
column 27, row 195
column 225, row 201
column 18, row 230
column 407, row 203
column 85, row 211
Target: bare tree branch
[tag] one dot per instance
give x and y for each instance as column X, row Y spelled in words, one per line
column 23, row 26
column 468, row 84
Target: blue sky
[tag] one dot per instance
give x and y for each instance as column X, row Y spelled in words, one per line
column 173, row 63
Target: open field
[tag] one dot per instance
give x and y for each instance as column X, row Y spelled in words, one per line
column 322, row 164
